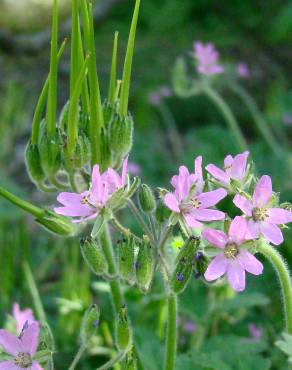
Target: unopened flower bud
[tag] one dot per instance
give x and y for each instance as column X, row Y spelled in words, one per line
column 57, row 224
column 33, row 163
column 184, row 265
column 50, row 152
column 93, row 255
column 126, row 258
column 90, row 323
column 123, row 330
column 121, row 135
column 146, row 198
column 145, row 265
column 162, row 212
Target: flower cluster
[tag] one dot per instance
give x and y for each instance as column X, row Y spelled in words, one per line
column 207, row 57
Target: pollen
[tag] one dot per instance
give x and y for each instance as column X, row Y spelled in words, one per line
column 23, row 360
column 231, row 251
column 195, row 203
column 259, row 214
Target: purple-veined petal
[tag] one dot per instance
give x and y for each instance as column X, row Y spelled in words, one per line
column 250, row 263
column 30, row 338
column 279, row 216
column 263, row 191
column 171, row 202
column 8, row 365
column 236, row 276
column 208, row 215
column 238, row 167
column 217, row 267
column 191, row 221
column 10, row 343
column 68, row 199
column 211, row 198
column 243, row 204
column 218, row 174
column 253, row 229
column 237, row 229
column 272, row 233
column 215, row 237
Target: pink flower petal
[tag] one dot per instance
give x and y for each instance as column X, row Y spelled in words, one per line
column 243, row 204
column 208, row 215
column 30, row 338
column 236, row 276
column 215, row 237
column 81, row 210
column 237, row 229
column 263, row 191
column 250, row 263
column 253, row 229
column 279, row 216
column 8, row 365
column 10, row 343
column 124, row 171
column 22, row 317
column 239, row 166
column 68, row 199
column 211, row 198
column 192, row 222
column 228, row 161
column 216, row 268
column 171, row 202
column 218, row 174
column 36, row 366
column 198, row 168
column 272, row 233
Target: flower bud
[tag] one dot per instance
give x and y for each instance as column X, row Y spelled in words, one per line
column 162, row 212
column 57, row 224
column 126, row 258
column 123, row 330
column 121, row 135
column 184, row 266
column 93, row 255
column 145, row 265
column 146, row 199
column 50, row 152
column 89, row 323
column 33, row 163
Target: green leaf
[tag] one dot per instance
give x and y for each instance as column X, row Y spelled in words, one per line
column 285, row 345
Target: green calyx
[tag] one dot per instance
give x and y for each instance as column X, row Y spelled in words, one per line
column 90, row 323
column 123, row 330
column 145, row 266
column 93, row 256
column 57, row 224
column 126, row 258
column 33, row 162
column 146, row 199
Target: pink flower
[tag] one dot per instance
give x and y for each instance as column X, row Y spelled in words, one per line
column 22, row 348
column 262, row 219
column 234, row 169
column 234, row 260
column 255, row 331
column 207, row 58
column 22, row 317
column 243, row 70
column 188, row 198
column 88, row 204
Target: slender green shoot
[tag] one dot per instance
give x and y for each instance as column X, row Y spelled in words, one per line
column 113, row 75
column 74, row 62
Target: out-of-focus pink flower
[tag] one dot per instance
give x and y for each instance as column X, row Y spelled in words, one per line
column 207, row 57
column 88, row 204
column 22, row 348
column 243, row 70
column 262, row 219
column 287, row 119
column 134, row 169
column 234, row 260
column 190, row 327
column 165, row 91
column 22, row 317
column 234, row 169
column 154, row 98
column 189, row 200
column 255, row 332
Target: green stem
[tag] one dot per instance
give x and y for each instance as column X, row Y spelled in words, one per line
column 140, row 219
column 113, row 75
column 228, row 115
column 52, row 95
column 77, row 357
column 113, row 361
column 74, row 60
column 284, row 277
column 26, row 206
column 171, row 335
column 262, row 125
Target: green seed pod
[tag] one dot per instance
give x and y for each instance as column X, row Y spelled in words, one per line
column 108, row 113
column 47, row 341
column 57, row 224
column 126, row 258
column 50, row 152
column 184, row 265
column 145, row 265
column 93, row 255
column 89, row 323
column 82, row 151
column 162, row 212
column 33, row 163
column 146, row 198
column 106, row 154
column 123, row 330
column 121, row 135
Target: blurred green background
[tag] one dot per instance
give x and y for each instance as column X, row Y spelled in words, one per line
column 254, row 31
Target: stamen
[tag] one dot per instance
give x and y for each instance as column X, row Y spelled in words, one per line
column 23, row 360
column 231, row 250
column 259, row 214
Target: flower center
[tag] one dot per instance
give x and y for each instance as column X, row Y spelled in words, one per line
column 23, row 360
column 195, row 203
column 86, row 200
column 259, row 214
column 231, row 250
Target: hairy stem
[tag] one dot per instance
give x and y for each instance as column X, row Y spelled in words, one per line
column 78, row 356
column 284, row 277
column 171, row 335
column 113, row 361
